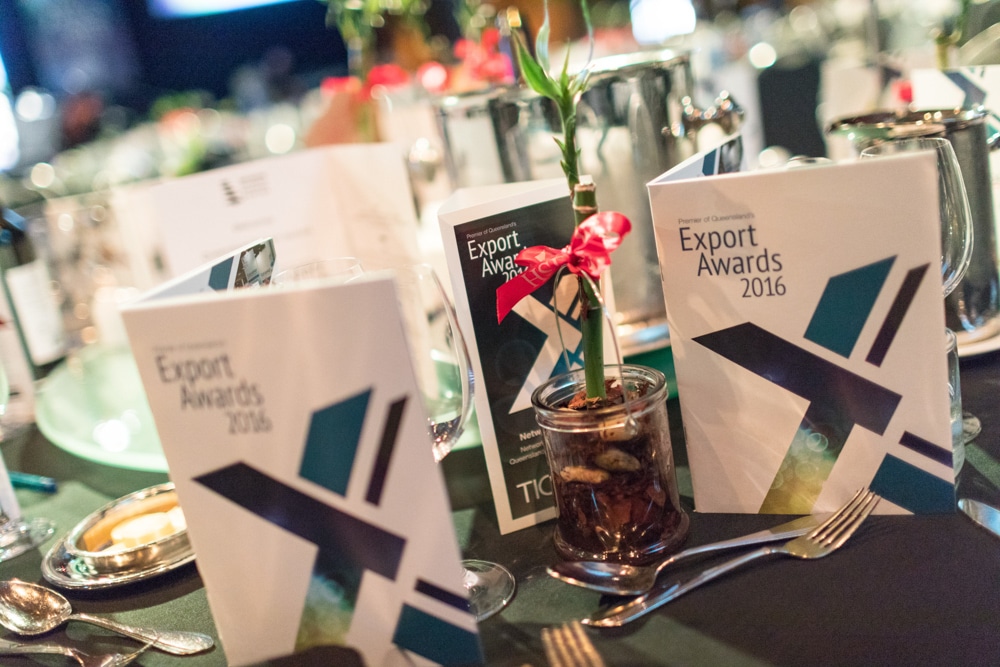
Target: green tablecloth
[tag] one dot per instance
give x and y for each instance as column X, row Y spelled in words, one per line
column 907, row 590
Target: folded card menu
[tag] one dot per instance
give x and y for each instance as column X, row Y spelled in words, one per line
column 959, row 88
column 807, row 323
column 316, row 204
column 483, row 230
column 297, row 441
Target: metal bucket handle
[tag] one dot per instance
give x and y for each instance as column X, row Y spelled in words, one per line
column 726, row 113
column 993, row 140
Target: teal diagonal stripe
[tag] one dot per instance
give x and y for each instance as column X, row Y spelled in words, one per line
column 845, row 305
column 218, row 279
column 911, row 488
column 436, row 639
column 332, row 442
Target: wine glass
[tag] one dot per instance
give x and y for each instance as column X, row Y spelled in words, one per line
column 445, row 380
column 16, row 535
column 440, row 356
column 956, row 241
column 953, row 202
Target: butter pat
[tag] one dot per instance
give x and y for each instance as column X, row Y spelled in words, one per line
column 177, row 520
column 142, row 529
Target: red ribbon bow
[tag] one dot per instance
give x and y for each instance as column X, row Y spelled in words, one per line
column 589, row 251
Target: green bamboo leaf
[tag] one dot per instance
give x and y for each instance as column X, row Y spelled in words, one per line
column 542, row 39
column 564, row 81
column 585, row 8
column 581, row 81
column 536, row 77
column 570, row 171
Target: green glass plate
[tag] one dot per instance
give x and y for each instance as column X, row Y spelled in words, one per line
column 93, row 406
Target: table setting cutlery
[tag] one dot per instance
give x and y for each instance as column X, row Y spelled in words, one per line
column 30, row 609
column 83, row 659
column 626, row 579
column 818, row 543
column 568, row 645
column 982, row 514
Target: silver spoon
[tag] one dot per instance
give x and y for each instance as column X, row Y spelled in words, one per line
column 31, row 609
column 84, row 659
column 624, row 579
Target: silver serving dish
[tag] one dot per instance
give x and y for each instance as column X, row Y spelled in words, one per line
column 82, row 559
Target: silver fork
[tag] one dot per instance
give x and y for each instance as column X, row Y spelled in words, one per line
column 821, row 541
column 569, row 646
column 83, row 659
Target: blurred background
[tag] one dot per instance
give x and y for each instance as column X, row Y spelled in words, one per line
column 74, row 72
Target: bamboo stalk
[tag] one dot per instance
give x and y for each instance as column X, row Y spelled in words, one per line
column 591, row 314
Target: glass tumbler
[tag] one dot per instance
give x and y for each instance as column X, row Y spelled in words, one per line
column 612, row 469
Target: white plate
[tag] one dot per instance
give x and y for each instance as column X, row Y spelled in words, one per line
column 975, row 348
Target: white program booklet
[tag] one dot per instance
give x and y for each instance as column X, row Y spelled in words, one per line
column 958, row 88
column 316, row 204
column 483, row 229
column 297, row 440
column 806, row 318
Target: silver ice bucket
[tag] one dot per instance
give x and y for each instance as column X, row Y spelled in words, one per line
column 635, row 122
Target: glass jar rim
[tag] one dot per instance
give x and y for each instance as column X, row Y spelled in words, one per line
column 546, row 397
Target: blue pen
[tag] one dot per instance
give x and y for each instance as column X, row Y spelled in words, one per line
column 24, row 480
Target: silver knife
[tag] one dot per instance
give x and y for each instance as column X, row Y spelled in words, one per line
column 986, row 516
column 621, row 614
